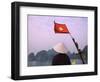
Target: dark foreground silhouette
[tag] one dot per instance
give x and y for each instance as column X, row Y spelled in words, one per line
column 61, row 59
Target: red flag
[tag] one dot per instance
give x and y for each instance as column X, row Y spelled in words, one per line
column 60, row 28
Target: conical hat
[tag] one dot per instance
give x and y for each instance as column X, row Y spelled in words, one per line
column 60, row 48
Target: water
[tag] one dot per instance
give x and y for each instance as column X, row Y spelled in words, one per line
column 39, row 63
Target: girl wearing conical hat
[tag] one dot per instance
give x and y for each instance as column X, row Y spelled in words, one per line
column 61, row 58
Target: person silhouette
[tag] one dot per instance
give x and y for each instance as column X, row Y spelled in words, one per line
column 61, row 58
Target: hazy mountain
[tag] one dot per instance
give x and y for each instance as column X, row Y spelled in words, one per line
column 85, row 48
column 85, row 53
column 51, row 53
column 31, row 57
column 45, row 55
column 42, row 56
column 76, row 57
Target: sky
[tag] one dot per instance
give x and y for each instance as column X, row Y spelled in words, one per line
column 41, row 35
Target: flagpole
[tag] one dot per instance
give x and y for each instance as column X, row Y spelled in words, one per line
column 76, row 45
